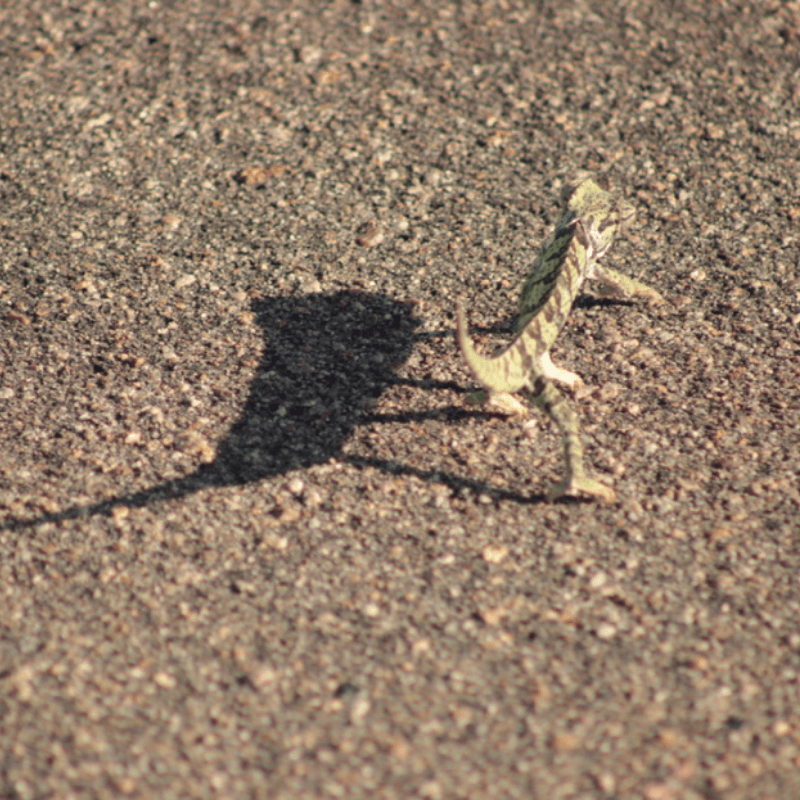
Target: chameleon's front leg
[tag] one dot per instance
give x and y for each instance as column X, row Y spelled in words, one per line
column 625, row 286
column 576, row 481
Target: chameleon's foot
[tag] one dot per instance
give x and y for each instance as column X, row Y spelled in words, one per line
column 508, row 404
column 550, row 370
column 642, row 290
column 574, row 485
column 615, row 283
column 502, row 402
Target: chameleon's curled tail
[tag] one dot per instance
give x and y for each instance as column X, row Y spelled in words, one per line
column 502, row 373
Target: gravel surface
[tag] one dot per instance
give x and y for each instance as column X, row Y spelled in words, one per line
column 253, row 542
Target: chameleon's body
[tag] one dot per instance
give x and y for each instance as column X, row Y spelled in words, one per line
column 583, row 234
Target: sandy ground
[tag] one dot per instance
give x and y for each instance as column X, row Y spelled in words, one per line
column 253, row 541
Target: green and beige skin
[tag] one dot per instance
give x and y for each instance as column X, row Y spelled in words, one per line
column 583, row 234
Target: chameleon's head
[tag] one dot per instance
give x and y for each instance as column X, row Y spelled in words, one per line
column 603, row 224
column 600, row 214
column 582, row 195
column 574, row 182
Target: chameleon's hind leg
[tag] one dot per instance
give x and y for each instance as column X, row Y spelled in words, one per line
column 506, row 403
column 575, row 481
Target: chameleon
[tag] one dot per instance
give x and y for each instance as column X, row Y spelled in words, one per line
column 584, row 233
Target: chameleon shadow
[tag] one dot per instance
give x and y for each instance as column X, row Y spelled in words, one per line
column 326, row 358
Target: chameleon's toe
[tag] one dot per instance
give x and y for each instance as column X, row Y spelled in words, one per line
column 651, row 294
column 573, row 486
